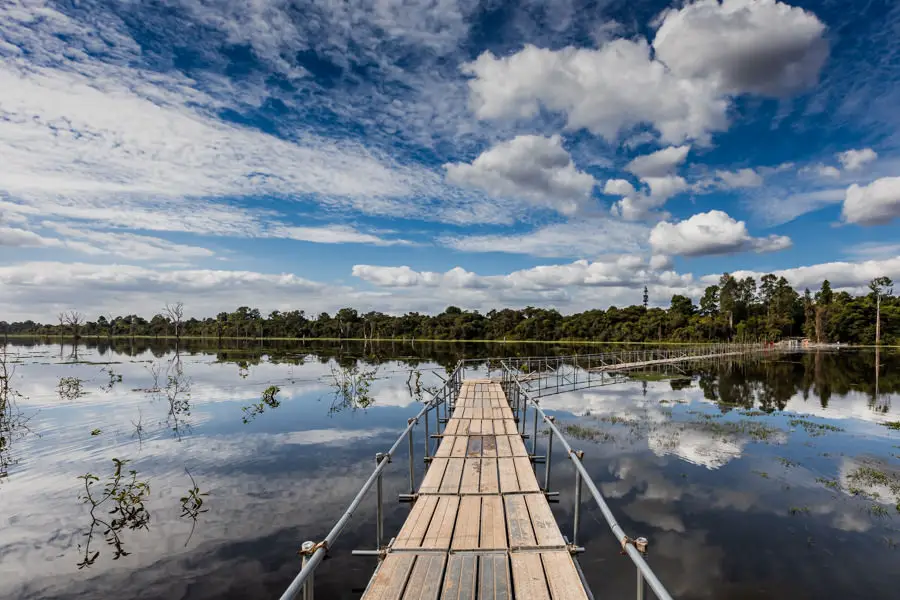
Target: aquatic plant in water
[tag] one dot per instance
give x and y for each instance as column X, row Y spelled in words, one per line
column 70, row 388
column 351, row 387
column 126, row 495
column 192, row 504
column 268, row 399
column 814, row 429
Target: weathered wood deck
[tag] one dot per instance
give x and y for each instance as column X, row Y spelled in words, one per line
column 481, row 529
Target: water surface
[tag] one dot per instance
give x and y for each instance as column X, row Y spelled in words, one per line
column 773, row 477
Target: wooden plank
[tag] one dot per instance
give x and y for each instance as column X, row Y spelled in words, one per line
column 390, row 579
column 459, row 447
column 452, row 476
column 452, row 427
column 517, row 445
column 490, row 481
column 425, row 580
column 471, row 477
column 510, row 427
column 413, row 530
column 475, row 427
column 489, row 446
column 509, row 480
column 546, row 531
column 562, row 578
column 493, row 575
column 459, row 582
column 468, row 524
column 528, row 577
column 444, row 448
column 431, row 484
column 503, row 447
column 518, row 522
column 487, row 427
column 440, row 530
column 527, row 480
column 474, row 446
column 493, row 523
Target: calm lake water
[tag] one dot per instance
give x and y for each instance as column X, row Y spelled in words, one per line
column 775, row 477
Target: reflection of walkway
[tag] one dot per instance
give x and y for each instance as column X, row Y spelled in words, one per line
column 548, row 375
column 481, row 527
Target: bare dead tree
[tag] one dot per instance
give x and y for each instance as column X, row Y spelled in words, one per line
column 74, row 319
column 175, row 313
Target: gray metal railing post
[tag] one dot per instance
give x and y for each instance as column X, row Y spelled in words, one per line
column 641, row 586
column 308, row 589
column 549, row 455
column 379, row 513
column 412, row 468
column 427, row 438
column 534, row 435
column 577, row 518
column 524, row 416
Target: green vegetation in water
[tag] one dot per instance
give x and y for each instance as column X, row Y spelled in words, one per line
column 114, row 378
column 879, row 511
column 126, row 495
column 798, row 510
column 268, row 399
column 757, row 431
column 753, row 413
column 814, row 429
column 96, row 432
column 869, row 476
column 592, row 434
column 895, row 425
column 786, row 462
column 829, row 483
column 762, row 474
column 70, row 388
column 192, row 504
column 351, row 387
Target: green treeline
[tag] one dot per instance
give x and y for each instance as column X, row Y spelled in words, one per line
column 735, row 309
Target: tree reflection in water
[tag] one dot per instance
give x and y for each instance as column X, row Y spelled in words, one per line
column 13, row 422
column 350, row 387
column 125, row 495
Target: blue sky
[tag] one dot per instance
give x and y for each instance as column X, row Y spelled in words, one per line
column 406, row 155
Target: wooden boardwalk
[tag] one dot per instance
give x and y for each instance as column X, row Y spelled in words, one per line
column 481, row 529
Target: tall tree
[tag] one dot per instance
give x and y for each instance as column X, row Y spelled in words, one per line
column 881, row 287
column 728, row 297
column 709, row 303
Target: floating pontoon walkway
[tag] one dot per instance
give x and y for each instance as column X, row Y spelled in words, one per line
column 480, row 528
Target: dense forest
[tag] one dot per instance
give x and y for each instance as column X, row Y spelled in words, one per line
column 735, row 309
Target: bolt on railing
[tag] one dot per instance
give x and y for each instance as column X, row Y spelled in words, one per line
column 312, row 553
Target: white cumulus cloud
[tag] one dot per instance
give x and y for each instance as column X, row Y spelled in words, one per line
column 659, row 163
column 709, row 233
column 875, row 204
column 530, row 167
column 743, row 46
column 605, row 90
column 854, row 160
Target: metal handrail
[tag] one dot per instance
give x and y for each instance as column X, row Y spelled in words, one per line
column 303, row 581
column 645, row 573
